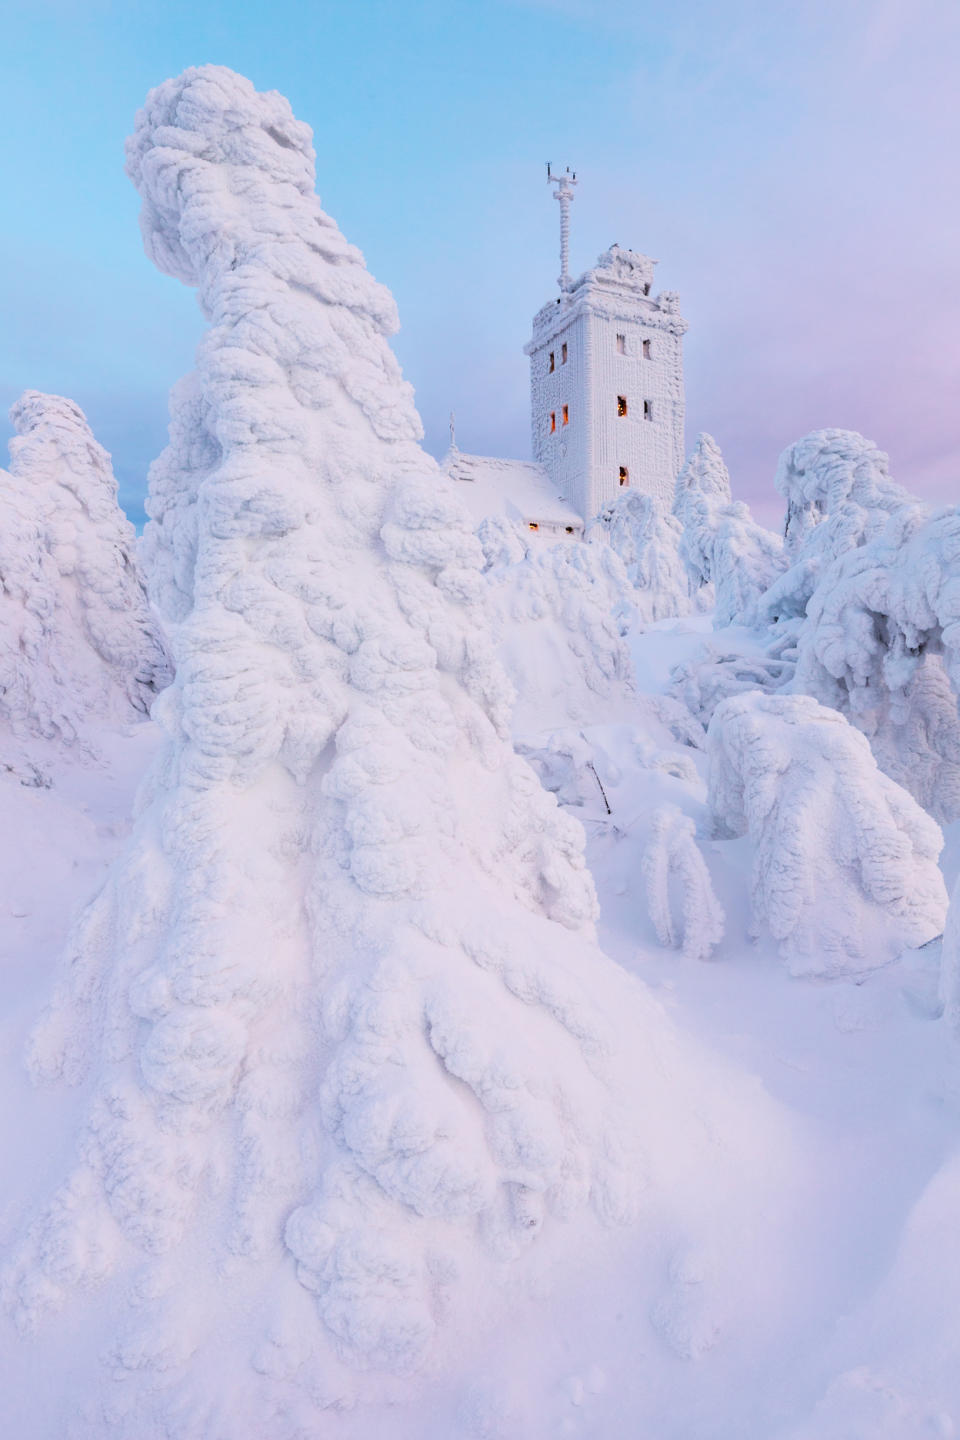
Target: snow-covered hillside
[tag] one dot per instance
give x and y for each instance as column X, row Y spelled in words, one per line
column 493, row 995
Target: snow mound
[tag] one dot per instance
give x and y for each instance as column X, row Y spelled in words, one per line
column 648, row 542
column 722, row 545
column 347, row 1042
column 78, row 641
column 845, row 871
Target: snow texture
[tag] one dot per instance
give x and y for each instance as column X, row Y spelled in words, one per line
column 338, row 1009
column 78, row 641
column 722, row 545
column 648, row 542
column 845, row 871
column 672, row 851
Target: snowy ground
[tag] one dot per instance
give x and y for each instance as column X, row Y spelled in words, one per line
column 866, row 1085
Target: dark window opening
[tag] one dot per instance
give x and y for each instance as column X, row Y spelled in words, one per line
column 566, row 414
column 569, row 529
column 646, row 350
column 563, row 353
column 646, row 289
column 553, row 421
column 624, row 475
column 621, row 344
column 553, row 363
column 621, row 405
column 648, row 409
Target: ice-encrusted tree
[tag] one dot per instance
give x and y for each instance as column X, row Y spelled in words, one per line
column 722, row 545
column 839, row 496
column 648, row 543
column 845, row 872
column 692, row 920
column 79, row 644
column 338, row 1008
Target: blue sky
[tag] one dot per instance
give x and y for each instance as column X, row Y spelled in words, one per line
column 793, row 166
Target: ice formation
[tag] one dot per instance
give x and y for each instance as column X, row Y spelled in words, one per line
column 648, row 542
column 78, row 640
column 338, row 1006
column 722, row 545
column 845, row 871
column 672, row 851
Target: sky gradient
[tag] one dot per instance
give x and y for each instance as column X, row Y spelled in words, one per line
column 792, row 166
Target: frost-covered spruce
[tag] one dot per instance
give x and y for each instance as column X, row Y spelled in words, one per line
column 845, row 872
column 722, row 545
column 339, row 1009
column 648, row 543
column 881, row 643
column 672, row 851
column 79, row 645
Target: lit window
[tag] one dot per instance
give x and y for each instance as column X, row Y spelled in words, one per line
column 532, row 525
column 553, row 363
column 621, row 405
column 622, row 344
column 646, row 350
column 553, row 421
column 563, row 353
column 648, row 409
column 569, row 529
column 566, row 414
column 624, row 475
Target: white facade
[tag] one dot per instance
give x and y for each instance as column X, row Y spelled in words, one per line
column 606, row 385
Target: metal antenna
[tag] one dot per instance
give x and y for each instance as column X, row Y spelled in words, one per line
column 563, row 193
column 453, row 429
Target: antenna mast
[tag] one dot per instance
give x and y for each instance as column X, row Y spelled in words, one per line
column 563, row 193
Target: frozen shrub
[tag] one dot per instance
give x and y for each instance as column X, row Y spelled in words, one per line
column 672, row 851
column 79, row 645
column 845, row 871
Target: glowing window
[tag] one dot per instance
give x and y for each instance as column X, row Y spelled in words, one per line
column 621, row 405
column 566, row 414
column 646, row 350
column 553, row 421
column 648, row 409
column 532, row 525
column 624, row 475
column 553, row 362
column 563, row 353
column 622, row 344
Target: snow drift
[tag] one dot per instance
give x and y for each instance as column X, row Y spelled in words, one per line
column 845, row 871
column 78, row 641
column 348, row 1043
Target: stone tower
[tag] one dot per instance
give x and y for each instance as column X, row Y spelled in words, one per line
column 606, row 379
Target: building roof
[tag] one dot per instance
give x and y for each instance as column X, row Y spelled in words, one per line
column 518, row 489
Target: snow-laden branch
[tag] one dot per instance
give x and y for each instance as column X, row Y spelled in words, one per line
column 845, row 872
column 672, row 851
column 79, row 645
column 722, row 545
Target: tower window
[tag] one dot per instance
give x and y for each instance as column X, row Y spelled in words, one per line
column 624, row 475
column 621, row 405
column 532, row 525
column 622, row 344
column 648, row 409
column 646, row 288
column 553, row 421
column 563, row 353
column 646, row 350
column 566, row 414
column 553, row 362
column 569, row 529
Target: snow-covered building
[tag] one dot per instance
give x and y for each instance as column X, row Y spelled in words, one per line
column 606, row 396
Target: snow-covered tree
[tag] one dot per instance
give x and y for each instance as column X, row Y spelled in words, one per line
column 880, row 643
column 648, row 543
column 722, row 545
column 845, row 872
column 672, row 851
column 338, row 1007
column 79, row 645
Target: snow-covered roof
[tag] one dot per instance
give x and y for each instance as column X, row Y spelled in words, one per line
column 519, row 489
